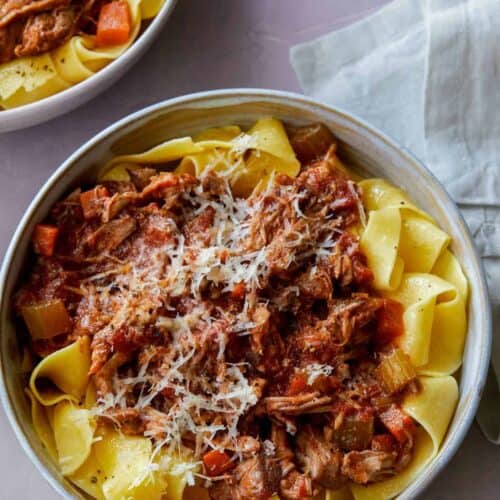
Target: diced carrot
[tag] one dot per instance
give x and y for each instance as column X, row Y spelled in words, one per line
column 44, row 239
column 398, row 423
column 389, row 322
column 224, row 254
column 362, row 274
column 383, row 442
column 114, row 25
column 168, row 392
column 238, row 291
column 217, row 462
column 297, row 384
column 302, row 489
column 92, row 201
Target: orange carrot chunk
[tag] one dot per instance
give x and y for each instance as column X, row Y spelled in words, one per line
column 238, row 291
column 114, row 25
column 44, row 239
column 217, row 463
column 400, row 425
column 302, row 488
column 297, row 384
column 390, row 324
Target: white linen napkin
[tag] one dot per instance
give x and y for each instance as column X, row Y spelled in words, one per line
column 428, row 74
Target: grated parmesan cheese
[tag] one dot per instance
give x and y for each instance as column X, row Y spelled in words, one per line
column 316, row 370
column 174, row 268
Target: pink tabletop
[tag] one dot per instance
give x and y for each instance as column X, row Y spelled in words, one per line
column 207, row 44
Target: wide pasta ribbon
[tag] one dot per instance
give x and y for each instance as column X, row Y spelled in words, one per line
column 408, row 255
column 119, row 466
column 223, row 150
column 435, row 322
column 30, row 79
column 67, row 369
column 399, row 236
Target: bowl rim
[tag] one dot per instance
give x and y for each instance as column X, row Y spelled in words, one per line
column 98, row 79
column 455, row 439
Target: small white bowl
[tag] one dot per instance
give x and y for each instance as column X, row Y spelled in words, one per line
column 364, row 147
column 69, row 99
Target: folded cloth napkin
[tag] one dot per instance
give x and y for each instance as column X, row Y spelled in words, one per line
column 428, row 73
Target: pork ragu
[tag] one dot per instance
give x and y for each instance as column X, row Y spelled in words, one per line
column 33, row 27
column 246, row 330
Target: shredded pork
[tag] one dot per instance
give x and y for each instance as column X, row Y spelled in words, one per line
column 33, row 27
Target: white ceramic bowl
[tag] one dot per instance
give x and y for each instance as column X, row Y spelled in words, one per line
column 69, row 99
column 370, row 151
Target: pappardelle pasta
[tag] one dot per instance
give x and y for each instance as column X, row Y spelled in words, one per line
column 233, row 316
column 46, row 46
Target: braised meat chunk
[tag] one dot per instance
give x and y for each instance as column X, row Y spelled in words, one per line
column 368, row 466
column 311, row 142
column 256, row 478
column 12, row 10
column 32, row 27
column 47, row 30
column 8, row 41
column 319, row 458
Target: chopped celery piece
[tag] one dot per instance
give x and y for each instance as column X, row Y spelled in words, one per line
column 47, row 319
column 395, row 371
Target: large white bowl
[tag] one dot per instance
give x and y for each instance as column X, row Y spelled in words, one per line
column 370, row 151
column 69, row 99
